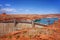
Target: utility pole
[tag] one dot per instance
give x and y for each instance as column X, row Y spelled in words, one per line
column 14, row 28
column 33, row 24
column 15, row 23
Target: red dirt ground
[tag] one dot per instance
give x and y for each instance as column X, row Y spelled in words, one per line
column 24, row 35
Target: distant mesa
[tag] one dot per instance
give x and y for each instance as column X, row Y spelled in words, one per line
column 3, row 14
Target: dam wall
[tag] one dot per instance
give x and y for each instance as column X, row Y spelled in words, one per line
column 6, row 28
column 10, row 27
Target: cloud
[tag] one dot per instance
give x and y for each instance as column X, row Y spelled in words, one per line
column 7, row 4
column 21, row 9
column 1, row 5
column 27, row 10
column 9, row 9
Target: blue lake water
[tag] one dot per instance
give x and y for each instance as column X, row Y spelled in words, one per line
column 46, row 20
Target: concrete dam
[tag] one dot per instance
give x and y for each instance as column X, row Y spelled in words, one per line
column 6, row 28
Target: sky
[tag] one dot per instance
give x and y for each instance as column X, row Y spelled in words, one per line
column 30, row 6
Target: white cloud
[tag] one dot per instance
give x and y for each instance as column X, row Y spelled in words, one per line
column 24, row 10
column 27, row 10
column 7, row 4
column 9, row 10
column 1, row 5
column 21, row 9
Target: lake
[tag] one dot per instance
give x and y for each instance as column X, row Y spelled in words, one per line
column 46, row 21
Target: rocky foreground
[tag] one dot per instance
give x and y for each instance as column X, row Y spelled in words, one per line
column 33, row 34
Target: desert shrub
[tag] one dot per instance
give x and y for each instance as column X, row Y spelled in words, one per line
column 17, row 36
